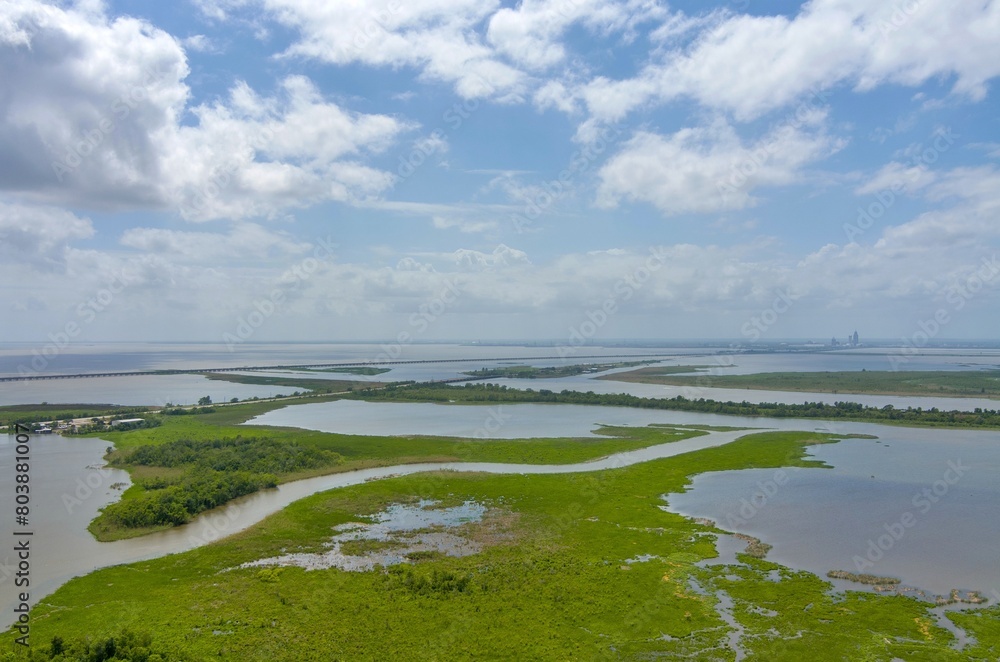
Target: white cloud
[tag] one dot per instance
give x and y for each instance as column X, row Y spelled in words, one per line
column 463, row 225
column 198, row 42
column 749, row 65
column 555, row 94
column 439, row 37
column 897, row 178
column 255, row 157
column 412, row 264
column 530, row 33
column 502, row 256
column 244, row 241
column 87, row 102
column 709, row 169
column 967, row 225
column 92, row 116
column 483, row 49
column 39, row 236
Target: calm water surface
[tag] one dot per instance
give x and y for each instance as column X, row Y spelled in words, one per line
column 919, row 505
column 187, row 389
column 64, row 504
column 819, row 520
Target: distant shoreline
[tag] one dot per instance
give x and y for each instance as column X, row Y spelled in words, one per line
column 945, row 384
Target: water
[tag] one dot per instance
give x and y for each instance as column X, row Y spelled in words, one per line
column 60, row 463
column 851, row 360
column 119, row 357
column 67, row 488
column 917, row 505
column 402, row 525
column 157, row 390
column 504, row 421
column 131, row 391
column 588, row 383
column 187, row 389
column 818, row 519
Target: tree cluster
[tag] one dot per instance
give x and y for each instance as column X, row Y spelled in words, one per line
column 126, row 646
column 216, row 472
column 491, row 393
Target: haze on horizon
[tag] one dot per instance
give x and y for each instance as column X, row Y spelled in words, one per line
column 498, row 170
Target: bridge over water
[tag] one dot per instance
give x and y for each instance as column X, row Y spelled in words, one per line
column 354, row 364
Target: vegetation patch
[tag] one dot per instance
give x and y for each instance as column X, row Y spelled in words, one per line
column 391, row 538
column 755, row 547
column 202, row 460
column 555, row 592
column 182, row 478
column 871, row 580
column 293, row 383
column 550, row 372
column 350, row 370
column 941, row 383
column 848, row 411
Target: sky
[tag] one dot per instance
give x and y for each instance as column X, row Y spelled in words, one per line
column 576, row 170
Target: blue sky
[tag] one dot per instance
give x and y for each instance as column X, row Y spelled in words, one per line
column 307, row 170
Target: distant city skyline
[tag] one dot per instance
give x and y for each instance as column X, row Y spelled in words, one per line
column 240, row 171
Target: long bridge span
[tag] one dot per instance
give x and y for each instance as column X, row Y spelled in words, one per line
column 353, row 364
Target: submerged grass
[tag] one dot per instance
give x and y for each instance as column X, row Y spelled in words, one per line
column 555, row 587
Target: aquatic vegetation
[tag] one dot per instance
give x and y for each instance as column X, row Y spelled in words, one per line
column 399, row 534
column 946, row 383
column 554, row 583
column 191, row 463
column 871, row 580
column 845, row 411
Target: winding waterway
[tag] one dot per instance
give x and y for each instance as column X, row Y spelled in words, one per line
column 817, row 519
column 69, row 490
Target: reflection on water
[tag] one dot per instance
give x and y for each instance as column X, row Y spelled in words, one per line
column 402, row 527
column 69, row 484
column 502, row 421
column 819, row 519
column 61, row 524
column 588, row 383
column 816, row 519
column 131, row 391
column 187, row 389
column 918, row 505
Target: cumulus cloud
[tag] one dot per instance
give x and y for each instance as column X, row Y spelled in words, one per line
column 482, row 49
column 112, row 136
column 463, row 225
column 439, row 37
column 502, row 256
column 749, row 65
column 242, row 242
column 897, row 177
column 530, row 34
column 965, row 224
column 256, row 156
column 40, row 236
column 709, row 168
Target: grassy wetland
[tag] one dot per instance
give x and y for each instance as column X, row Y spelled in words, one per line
column 571, row 566
column 942, row 383
column 575, row 566
column 192, row 463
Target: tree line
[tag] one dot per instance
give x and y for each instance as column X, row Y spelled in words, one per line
column 216, row 471
column 851, row 411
